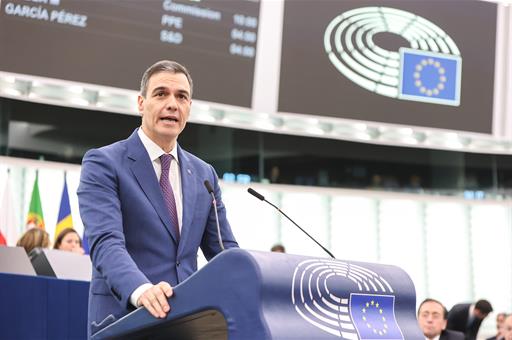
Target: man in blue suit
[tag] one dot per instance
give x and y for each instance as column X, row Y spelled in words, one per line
column 144, row 205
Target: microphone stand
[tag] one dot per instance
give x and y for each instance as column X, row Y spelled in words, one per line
column 262, row 198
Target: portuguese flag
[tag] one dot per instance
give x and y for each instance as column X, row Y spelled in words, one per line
column 35, row 211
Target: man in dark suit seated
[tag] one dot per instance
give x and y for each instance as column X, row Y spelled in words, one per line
column 467, row 318
column 432, row 321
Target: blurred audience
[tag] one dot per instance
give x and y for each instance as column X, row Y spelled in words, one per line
column 34, row 238
column 278, row 248
column 69, row 240
column 432, row 321
column 467, row 318
column 500, row 321
column 274, row 174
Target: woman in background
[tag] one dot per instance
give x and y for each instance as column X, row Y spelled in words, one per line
column 69, row 240
column 34, row 238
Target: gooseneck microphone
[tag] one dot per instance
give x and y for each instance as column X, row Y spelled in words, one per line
column 214, row 202
column 262, row 198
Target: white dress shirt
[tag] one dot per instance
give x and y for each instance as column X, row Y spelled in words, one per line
column 154, row 152
column 435, row 338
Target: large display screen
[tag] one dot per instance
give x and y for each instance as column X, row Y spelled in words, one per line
column 112, row 42
column 421, row 63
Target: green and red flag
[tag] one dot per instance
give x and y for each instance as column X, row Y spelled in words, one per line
column 35, row 211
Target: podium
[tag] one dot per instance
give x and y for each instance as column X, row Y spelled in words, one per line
column 243, row 295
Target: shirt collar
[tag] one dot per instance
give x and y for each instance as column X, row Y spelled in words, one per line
column 471, row 316
column 154, row 151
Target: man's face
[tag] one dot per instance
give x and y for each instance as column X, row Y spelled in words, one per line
column 165, row 108
column 431, row 320
column 507, row 328
column 500, row 321
column 478, row 314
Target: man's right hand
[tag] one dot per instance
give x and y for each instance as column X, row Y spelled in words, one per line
column 155, row 299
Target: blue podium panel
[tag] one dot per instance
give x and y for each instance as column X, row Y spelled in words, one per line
column 259, row 295
column 42, row 308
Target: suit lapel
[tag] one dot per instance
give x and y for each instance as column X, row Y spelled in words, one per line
column 144, row 172
column 189, row 187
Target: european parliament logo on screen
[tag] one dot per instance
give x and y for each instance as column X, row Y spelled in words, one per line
column 430, row 77
column 429, row 70
column 374, row 316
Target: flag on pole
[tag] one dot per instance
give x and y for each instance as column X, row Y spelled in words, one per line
column 35, row 211
column 8, row 231
column 64, row 220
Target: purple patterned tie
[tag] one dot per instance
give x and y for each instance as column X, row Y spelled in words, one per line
column 166, row 187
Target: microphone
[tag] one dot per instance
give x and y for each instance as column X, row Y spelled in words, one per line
column 262, row 198
column 214, row 202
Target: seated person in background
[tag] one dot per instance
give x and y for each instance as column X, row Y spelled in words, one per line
column 467, row 318
column 500, row 321
column 278, row 248
column 69, row 240
column 34, row 238
column 507, row 328
column 432, row 321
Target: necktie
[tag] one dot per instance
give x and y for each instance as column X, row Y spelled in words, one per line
column 167, row 192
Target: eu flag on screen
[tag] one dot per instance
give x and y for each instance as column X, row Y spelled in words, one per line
column 374, row 316
column 430, row 77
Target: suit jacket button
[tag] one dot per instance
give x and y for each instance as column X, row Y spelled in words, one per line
column 177, row 263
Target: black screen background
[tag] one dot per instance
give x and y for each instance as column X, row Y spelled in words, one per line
column 310, row 84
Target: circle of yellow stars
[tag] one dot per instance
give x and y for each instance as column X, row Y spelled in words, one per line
column 376, row 307
column 441, row 72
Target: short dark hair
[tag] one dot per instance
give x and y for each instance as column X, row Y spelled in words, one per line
column 163, row 66
column 278, row 248
column 483, row 306
column 445, row 311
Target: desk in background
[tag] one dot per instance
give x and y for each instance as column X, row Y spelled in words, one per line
column 42, row 308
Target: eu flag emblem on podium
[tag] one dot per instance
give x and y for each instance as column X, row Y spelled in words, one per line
column 430, row 77
column 374, row 317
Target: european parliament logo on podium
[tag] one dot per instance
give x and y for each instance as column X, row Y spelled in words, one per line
column 430, row 77
column 322, row 294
